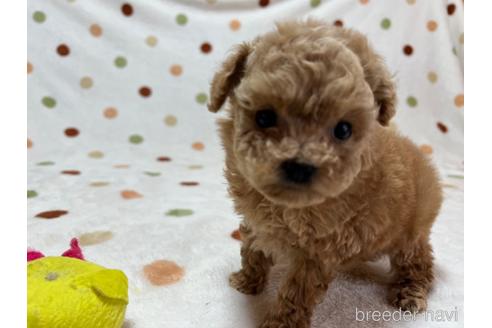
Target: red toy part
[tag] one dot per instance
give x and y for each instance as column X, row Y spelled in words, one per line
column 75, row 250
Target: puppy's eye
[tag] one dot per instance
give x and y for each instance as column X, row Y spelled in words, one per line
column 343, row 130
column 266, row 118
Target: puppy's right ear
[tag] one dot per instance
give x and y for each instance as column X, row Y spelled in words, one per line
column 228, row 77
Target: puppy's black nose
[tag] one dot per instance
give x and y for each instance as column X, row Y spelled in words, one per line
column 297, row 172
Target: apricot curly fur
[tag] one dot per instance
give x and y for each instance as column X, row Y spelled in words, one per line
column 374, row 194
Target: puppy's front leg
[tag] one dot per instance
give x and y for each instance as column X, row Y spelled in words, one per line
column 306, row 283
column 252, row 277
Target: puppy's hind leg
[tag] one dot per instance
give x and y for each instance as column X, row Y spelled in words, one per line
column 414, row 276
column 252, row 277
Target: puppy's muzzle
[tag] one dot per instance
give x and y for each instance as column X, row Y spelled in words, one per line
column 296, row 172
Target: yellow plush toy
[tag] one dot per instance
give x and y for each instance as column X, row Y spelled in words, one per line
column 68, row 292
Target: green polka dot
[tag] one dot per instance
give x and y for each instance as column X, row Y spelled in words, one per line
column 46, row 163
column 201, row 98
column 135, row 139
column 179, row 212
column 386, row 23
column 32, row 194
column 152, row 174
column 181, row 19
column 120, row 62
column 315, row 3
column 39, row 16
column 455, row 52
column 412, row 101
column 49, row 102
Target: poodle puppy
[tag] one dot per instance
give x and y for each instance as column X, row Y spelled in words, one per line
column 318, row 178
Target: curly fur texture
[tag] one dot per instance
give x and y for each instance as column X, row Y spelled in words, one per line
column 374, row 194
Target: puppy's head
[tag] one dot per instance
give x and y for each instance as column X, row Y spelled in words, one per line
column 304, row 101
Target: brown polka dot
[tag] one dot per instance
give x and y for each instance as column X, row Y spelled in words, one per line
column 99, row 184
column 70, row 172
column 442, row 127
column 86, row 82
column 96, row 154
column 164, row 159
column 198, row 146
column 189, row 183
column 95, row 237
column 29, row 68
column 63, row 50
column 364, row 2
column 170, row 120
column 51, row 214
column 130, row 194
column 145, row 91
column 408, row 50
column 71, row 132
column 432, row 76
column 163, row 272
column 29, row 143
column 206, row 47
column 176, row 70
column 234, row 25
column 127, row 9
column 338, row 23
column 236, row 234
column 110, row 112
column 426, row 149
column 411, row 2
column 462, row 38
column 121, row 166
column 95, row 30
column 264, row 3
column 459, row 100
column 451, row 9
column 432, row 25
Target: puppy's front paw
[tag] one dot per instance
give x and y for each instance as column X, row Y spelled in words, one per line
column 247, row 284
column 408, row 300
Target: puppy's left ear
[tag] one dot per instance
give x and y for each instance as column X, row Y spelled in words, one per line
column 228, row 77
column 383, row 88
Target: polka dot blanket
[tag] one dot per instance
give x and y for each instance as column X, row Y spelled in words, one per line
column 123, row 154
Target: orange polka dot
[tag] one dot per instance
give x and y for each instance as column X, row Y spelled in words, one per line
column 29, row 143
column 29, row 68
column 426, row 149
column 110, row 113
column 163, row 272
column 459, row 100
column 130, row 194
column 235, row 25
column 198, row 146
column 95, row 30
column 176, row 70
column 432, row 25
column 364, row 2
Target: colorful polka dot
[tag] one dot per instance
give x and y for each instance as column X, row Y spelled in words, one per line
column 39, row 17
column 459, row 100
column 315, row 3
column 170, row 120
column 432, row 77
column 51, row 214
column 364, row 2
column 201, row 98
column 86, row 82
column 96, row 154
column 71, row 132
column 99, row 184
column 70, row 172
column 442, row 127
column 408, row 50
column 195, row 167
column 462, row 38
column 145, row 91
column 110, row 112
column 121, row 166
column 451, row 8
column 152, row 174
column 94, row 238
column 412, row 101
column 130, row 194
column 206, row 47
column 263, row 3
column 181, row 19
column 432, row 25
column 135, row 139
column 176, row 70
column 411, row 2
column 151, row 41
column 234, row 25
column 127, row 9
column 163, row 159
column 32, row 194
column 426, row 149
column 29, row 68
column 46, row 163
column 179, row 212
column 338, row 23
column 63, row 50
column 49, row 102
column 95, row 30
column 236, row 234
column 198, row 146
column 385, row 23
column 163, row 272
column 29, row 143
column 189, row 183
column 120, row 62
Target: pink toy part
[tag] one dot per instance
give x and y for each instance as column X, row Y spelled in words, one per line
column 33, row 254
column 74, row 250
